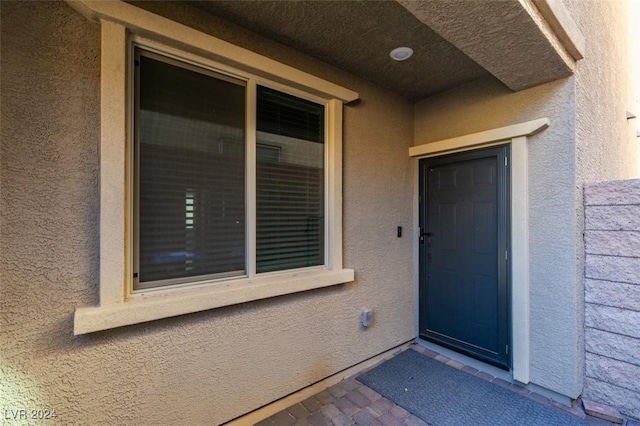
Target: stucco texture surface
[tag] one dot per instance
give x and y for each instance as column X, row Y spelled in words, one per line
column 589, row 139
column 493, row 33
column 606, row 80
column 606, row 141
column 555, row 323
column 202, row 368
column 606, row 85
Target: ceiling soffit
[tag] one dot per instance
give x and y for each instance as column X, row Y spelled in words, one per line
column 454, row 41
column 357, row 36
column 510, row 38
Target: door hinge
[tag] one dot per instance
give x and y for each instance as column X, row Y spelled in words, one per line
column 506, row 161
column 506, row 255
column 507, row 349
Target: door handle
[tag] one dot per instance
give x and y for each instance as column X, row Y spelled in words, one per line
column 423, row 234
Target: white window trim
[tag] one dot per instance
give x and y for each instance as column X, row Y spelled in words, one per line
column 118, row 305
column 517, row 136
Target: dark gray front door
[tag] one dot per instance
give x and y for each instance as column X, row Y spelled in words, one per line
column 463, row 253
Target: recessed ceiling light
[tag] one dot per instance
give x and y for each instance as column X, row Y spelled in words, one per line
column 401, row 53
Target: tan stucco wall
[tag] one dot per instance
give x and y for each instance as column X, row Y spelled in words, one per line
column 606, row 85
column 556, row 362
column 589, row 140
column 202, row 368
column 607, row 147
column 212, row 366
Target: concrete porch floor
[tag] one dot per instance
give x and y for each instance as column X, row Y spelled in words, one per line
column 349, row 402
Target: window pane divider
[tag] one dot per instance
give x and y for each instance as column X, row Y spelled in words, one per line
column 251, row 178
column 133, row 183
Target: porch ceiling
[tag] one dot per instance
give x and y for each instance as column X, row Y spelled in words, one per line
column 508, row 38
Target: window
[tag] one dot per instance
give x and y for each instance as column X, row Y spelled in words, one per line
column 190, row 173
column 220, row 173
column 190, row 167
column 290, row 190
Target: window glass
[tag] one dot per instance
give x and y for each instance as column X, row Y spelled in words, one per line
column 190, row 173
column 290, row 182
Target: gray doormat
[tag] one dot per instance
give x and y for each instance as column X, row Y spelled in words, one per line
column 443, row 396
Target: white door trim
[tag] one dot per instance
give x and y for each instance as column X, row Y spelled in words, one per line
column 517, row 135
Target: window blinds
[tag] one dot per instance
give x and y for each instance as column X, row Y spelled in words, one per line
column 190, row 168
column 191, row 174
column 290, row 187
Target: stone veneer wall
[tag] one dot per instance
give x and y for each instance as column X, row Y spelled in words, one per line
column 612, row 294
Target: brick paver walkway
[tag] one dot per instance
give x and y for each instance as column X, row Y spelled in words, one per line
column 352, row 403
column 347, row 403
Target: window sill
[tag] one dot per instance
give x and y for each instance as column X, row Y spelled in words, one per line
column 155, row 305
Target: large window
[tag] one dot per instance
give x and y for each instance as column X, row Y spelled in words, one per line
column 220, row 173
column 191, row 167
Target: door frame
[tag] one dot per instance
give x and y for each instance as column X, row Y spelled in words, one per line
column 502, row 155
column 518, row 136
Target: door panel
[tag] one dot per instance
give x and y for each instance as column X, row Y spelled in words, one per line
column 463, row 271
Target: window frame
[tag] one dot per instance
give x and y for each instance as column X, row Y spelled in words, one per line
column 210, row 68
column 138, row 47
column 122, row 25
